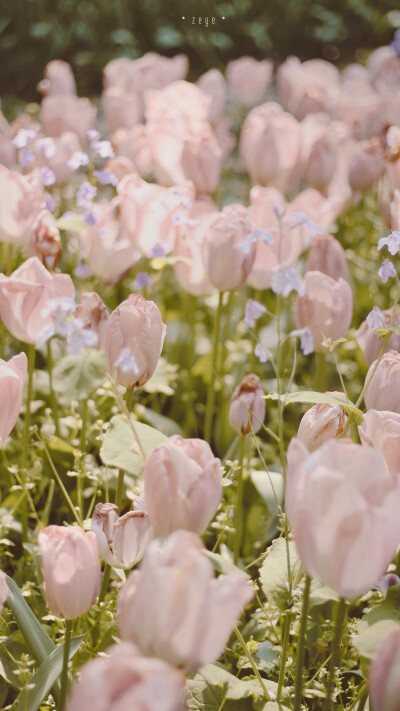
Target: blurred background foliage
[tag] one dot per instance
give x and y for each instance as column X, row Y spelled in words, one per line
column 89, row 33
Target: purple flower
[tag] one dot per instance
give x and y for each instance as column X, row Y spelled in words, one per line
column 127, row 362
column 278, row 212
column 157, row 250
column 59, row 310
column 89, row 218
column 25, row 158
column 78, row 159
column 261, row 353
column 50, row 204
column 81, row 271
column 79, row 337
column 184, row 199
column 306, row 340
column 285, row 280
column 106, row 177
column 253, row 311
column 256, row 236
column 48, row 145
column 385, row 582
column 296, row 219
column 93, row 135
column 392, row 242
column 142, row 280
column 104, row 149
column 387, row 271
column 23, row 137
column 375, row 319
column 181, row 217
column 396, row 42
column 47, row 176
column 86, row 195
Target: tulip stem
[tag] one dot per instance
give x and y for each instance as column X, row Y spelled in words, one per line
column 214, row 358
column 53, row 399
column 25, row 440
column 301, row 646
column 129, row 398
column 239, row 503
column 320, row 373
column 104, row 582
column 285, row 644
column 335, row 658
column 64, row 673
column 82, row 442
column 253, row 665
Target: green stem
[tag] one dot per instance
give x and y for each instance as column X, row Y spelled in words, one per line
column 53, row 399
column 129, row 398
column 253, row 665
column 335, row 659
column 363, row 699
column 82, row 442
column 301, row 647
column 239, row 503
column 25, row 438
column 285, row 644
column 64, row 673
column 211, row 391
column 320, row 373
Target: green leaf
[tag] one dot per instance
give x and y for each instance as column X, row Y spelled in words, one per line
column 270, row 486
column 160, row 422
column 116, row 450
column 377, row 623
column 39, row 686
column 75, row 377
column 311, row 397
column 38, row 641
column 212, row 684
column 224, row 565
column 160, row 381
column 71, row 224
column 274, row 572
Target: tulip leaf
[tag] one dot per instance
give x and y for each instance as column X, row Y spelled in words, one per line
column 213, row 687
column 160, row 422
column 39, row 686
column 75, row 377
column 376, row 623
column 72, row 223
column 116, row 450
column 274, row 572
column 270, row 486
column 311, row 397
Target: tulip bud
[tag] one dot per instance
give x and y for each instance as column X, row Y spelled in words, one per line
column 247, row 410
column 381, row 430
column 121, row 541
column 321, row 162
column 58, row 79
column 248, row 80
column 44, row 241
column 133, row 341
column 327, row 255
column 366, row 165
column 325, row 308
column 71, row 570
column 384, row 679
column 225, row 244
column 213, row 84
column 94, row 314
column 60, row 113
column 383, row 392
column 321, row 423
column 3, row 590
column 22, row 200
column 174, row 596
column 182, row 484
column 369, row 342
column 12, row 378
column 201, row 162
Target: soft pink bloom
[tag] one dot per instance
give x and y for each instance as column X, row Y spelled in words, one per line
column 247, row 408
column 12, row 378
column 22, row 198
column 71, row 569
column 366, row 164
column 383, row 392
column 3, row 590
column 120, row 165
column 319, row 151
column 342, row 505
column 24, row 295
column 213, row 84
column 62, row 112
column 151, row 71
column 125, row 679
column 135, row 328
column 327, row 255
column 94, row 314
column 325, row 307
column 270, row 147
column 369, row 342
column 119, row 74
column 44, row 240
column 248, row 80
column 175, row 609
column 395, row 211
column 307, row 88
column 384, row 67
column 191, row 275
column 381, row 430
column 225, row 244
column 182, row 485
column 321, row 423
column 134, row 145
column 65, row 146
column 383, row 678
column 121, row 540
column 360, row 107
column 201, row 161
column 121, row 109
column 58, row 79
column 7, row 148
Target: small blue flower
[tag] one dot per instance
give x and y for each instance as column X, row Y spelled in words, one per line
column 392, row 242
column 106, row 177
column 261, row 353
column 375, row 319
column 253, row 311
column 387, row 271
column 127, row 362
column 78, row 159
column 142, row 280
column 285, row 280
column 157, row 250
column 306, row 340
column 47, row 176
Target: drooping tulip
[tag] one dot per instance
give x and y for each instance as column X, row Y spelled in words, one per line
column 247, row 408
column 321, row 423
column 12, row 378
column 121, row 540
column 383, row 392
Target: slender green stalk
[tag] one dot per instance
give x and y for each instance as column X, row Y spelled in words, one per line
column 81, row 472
column 60, row 483
column 253, row 665
column 129, row 398
column 239, row 503
column 284, row 653
column 25, row 437
column 320, row 373
column 53, row 399
column 298, row 685
column 104, row 583
column 335, row 659
column 64, row 673
column 363, row 699
column 214, row 357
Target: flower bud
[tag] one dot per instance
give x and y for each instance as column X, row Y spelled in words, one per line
column 44, row 241
column 3, row 590
column 369, row 342
column 321, row 423
column 133, row 341
column 213, row 84
column 366, row 165
column 321, row 162
column 225, row 244
column 22, row 200
column 327, row 255
column 201, row 162
column 247, row 410
column 94, row 314
column 58, row 79
column 383, row 392
column 121, row 541
column 248, row 80
column 71, row 570
column 381, row 430
column 384, row 679
column 12, row 378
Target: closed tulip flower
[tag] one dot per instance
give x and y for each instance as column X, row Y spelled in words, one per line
column 321, row 423
column 121, row 540
column 201, row 161
column 321, row 162
column 3, row 590
column 381, row 430
column 174, row 608
column 182, row 484
column 133, row 341
column 247, row 410
column 12, row 378
column 21, row 202
column 44, row 240
column 65, row 112
column 383, row 392
column 213, row 84
column 248, row 80
column 342, row 505
column 327, row 255
column 366, row 164
column 383, row 678
column 225, row 244
column 369, row 342
column 325, row 307
column 24, row 295
column 58, row 79
column 71, row 570
column 94, row 314
column 125, row 679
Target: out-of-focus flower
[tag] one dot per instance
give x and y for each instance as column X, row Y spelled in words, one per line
column 182, row 485
column 375, row 318
column 369, row 342
column 21, row 202
column 321, row 423
column 327, row 255
column 66, row 112
column 366, row 164
column 286, row 279
column 12, row 378
column 261, row 353
column 387, row 271
column 213, row 84
column 201, row 162
column 392, row 242
column 381, row 430
column 248, row 80
column 308, row 87
column 121, row 540
column 385, row 582
column 44, row 241
column 58, row 79
column 71, row 569
column 174, row 596
column 247, row 408
column 223, row 243
column 306, row 340
column 94, row 314
column 383, row 392
column 383, row 679
column 254, row 310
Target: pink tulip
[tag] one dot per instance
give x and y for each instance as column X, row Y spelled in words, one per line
column 384, row 67
column 247, row 409
column 327, row 255
column 94, row 314
column 12, row 378
column 174, row 608
column 71, row 569
column 366, row 164
column 3, row 590
column 121, row 109
column 65, row 112
column 381, row 430
column 7, row 148
column 24, row 295
column 369, row 342
column 395, row 211
column 154, row 71
column 191, row 276
column 213, row 84
column 133, row 341
column 325, row 308
column 58, row 79
column 125, row 679
column 342, row 505
column 134, row 145
column 21, row 202
column 182, row 485
column 321, row 162
column 201, row 162
column 64, row 146
column 383, row 679
column 248, row 80
column 225, row 243
column 121, row 540
column 118, row 74
column 383, row 392
column 307, row 88
column 320, row 424
column 44, row 241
